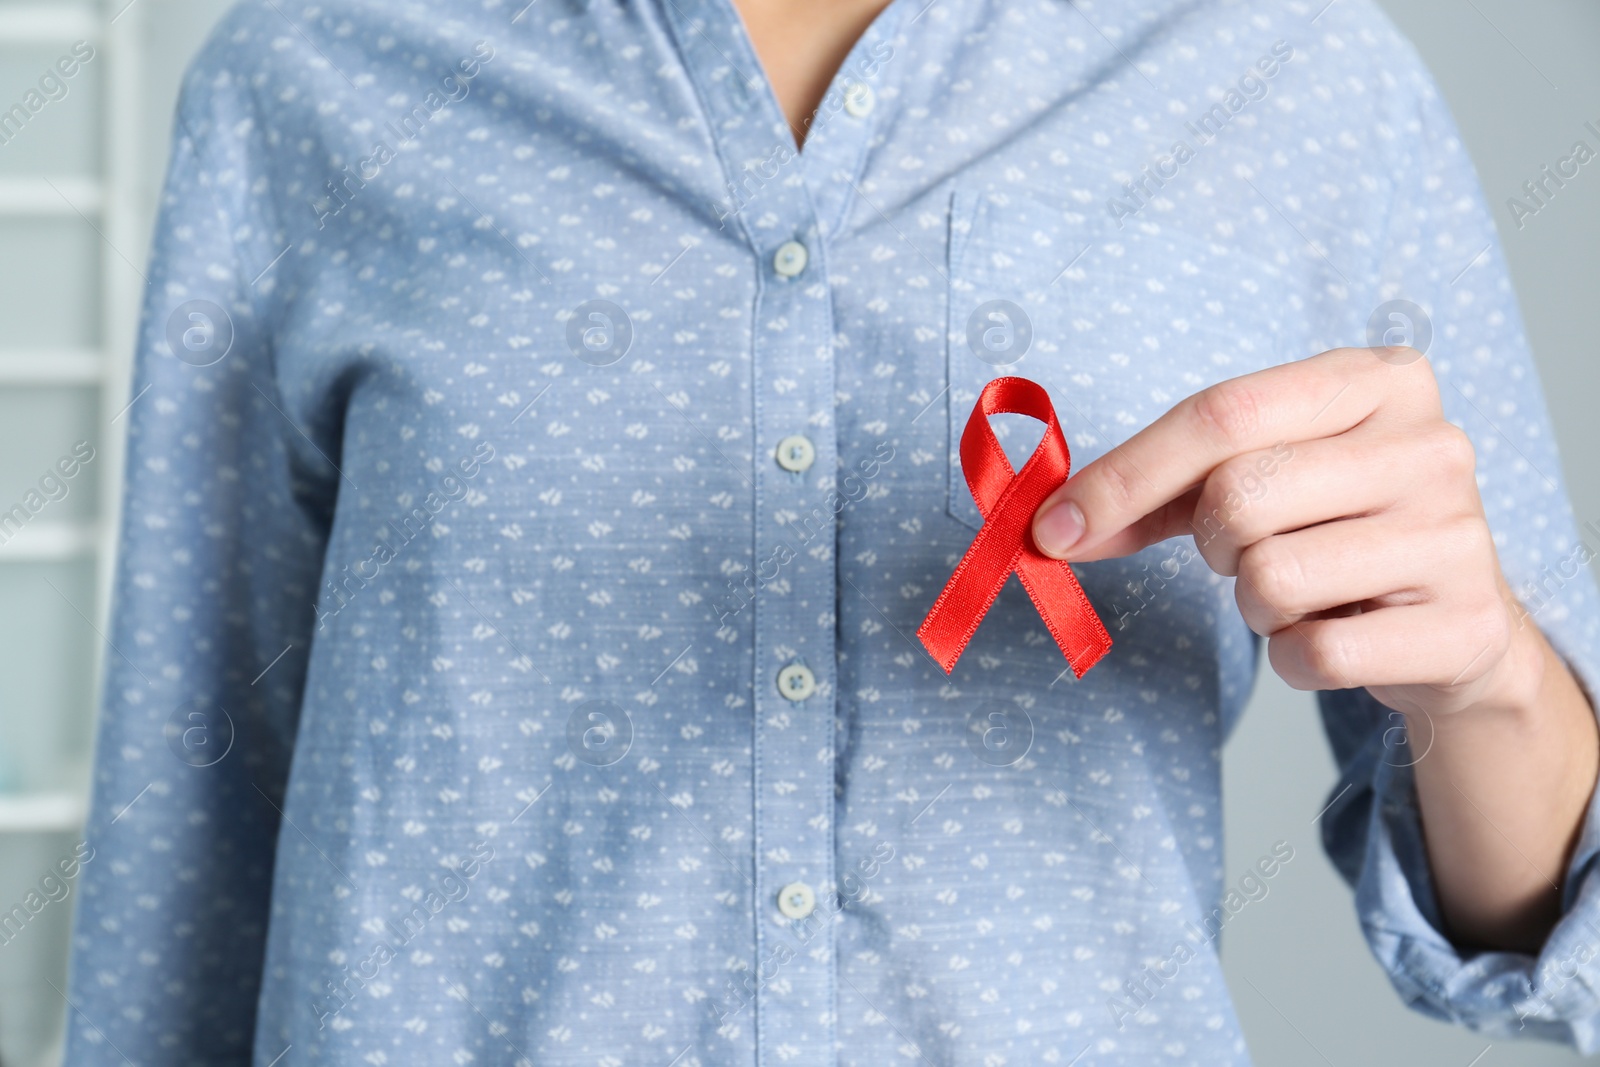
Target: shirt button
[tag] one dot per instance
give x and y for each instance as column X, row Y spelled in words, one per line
column 797, row 682
column 796, row 900
column 791, row 259
column 796, row 453
column 858, row 99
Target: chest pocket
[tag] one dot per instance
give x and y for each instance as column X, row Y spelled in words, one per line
column 1118, row 325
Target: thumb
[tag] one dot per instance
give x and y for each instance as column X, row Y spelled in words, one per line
column 1060, row 521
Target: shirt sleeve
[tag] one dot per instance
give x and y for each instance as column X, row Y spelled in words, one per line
column 223, row 531
column 1441, row 253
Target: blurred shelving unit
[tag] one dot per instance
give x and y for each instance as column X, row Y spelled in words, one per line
column 77, row 173
column 79, row 180
column 97, row 197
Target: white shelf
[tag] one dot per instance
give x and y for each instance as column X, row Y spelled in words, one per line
column 47, row 24
column 70, row 366
column 45, row 541
column 53, row 196
column 41, row 813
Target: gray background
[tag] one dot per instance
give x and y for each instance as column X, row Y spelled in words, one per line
column 1521, row 78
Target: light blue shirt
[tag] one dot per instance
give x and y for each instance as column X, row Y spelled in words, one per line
column 538, row 472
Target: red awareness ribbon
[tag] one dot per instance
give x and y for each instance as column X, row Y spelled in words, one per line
column 1008, row 500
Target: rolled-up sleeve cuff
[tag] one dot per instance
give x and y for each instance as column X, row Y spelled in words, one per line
column 1554, row 996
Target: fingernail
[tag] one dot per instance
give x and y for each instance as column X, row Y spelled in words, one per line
column 1059, row 528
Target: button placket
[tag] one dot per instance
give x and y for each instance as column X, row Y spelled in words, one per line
column 792, row 386
column 846, row 121
column 794, row 649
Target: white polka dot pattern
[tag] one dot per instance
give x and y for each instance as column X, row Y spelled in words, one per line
column 516, row 325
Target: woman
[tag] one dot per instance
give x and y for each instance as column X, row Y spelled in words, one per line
column 549, row 445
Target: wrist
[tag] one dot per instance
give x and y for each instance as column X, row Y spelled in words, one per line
column 1512, row 693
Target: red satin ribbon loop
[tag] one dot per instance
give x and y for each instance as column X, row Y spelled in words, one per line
column 1008, row 500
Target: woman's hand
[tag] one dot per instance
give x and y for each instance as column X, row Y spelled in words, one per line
column 1347, row 506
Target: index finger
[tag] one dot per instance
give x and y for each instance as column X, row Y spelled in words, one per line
column 1140, row 479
